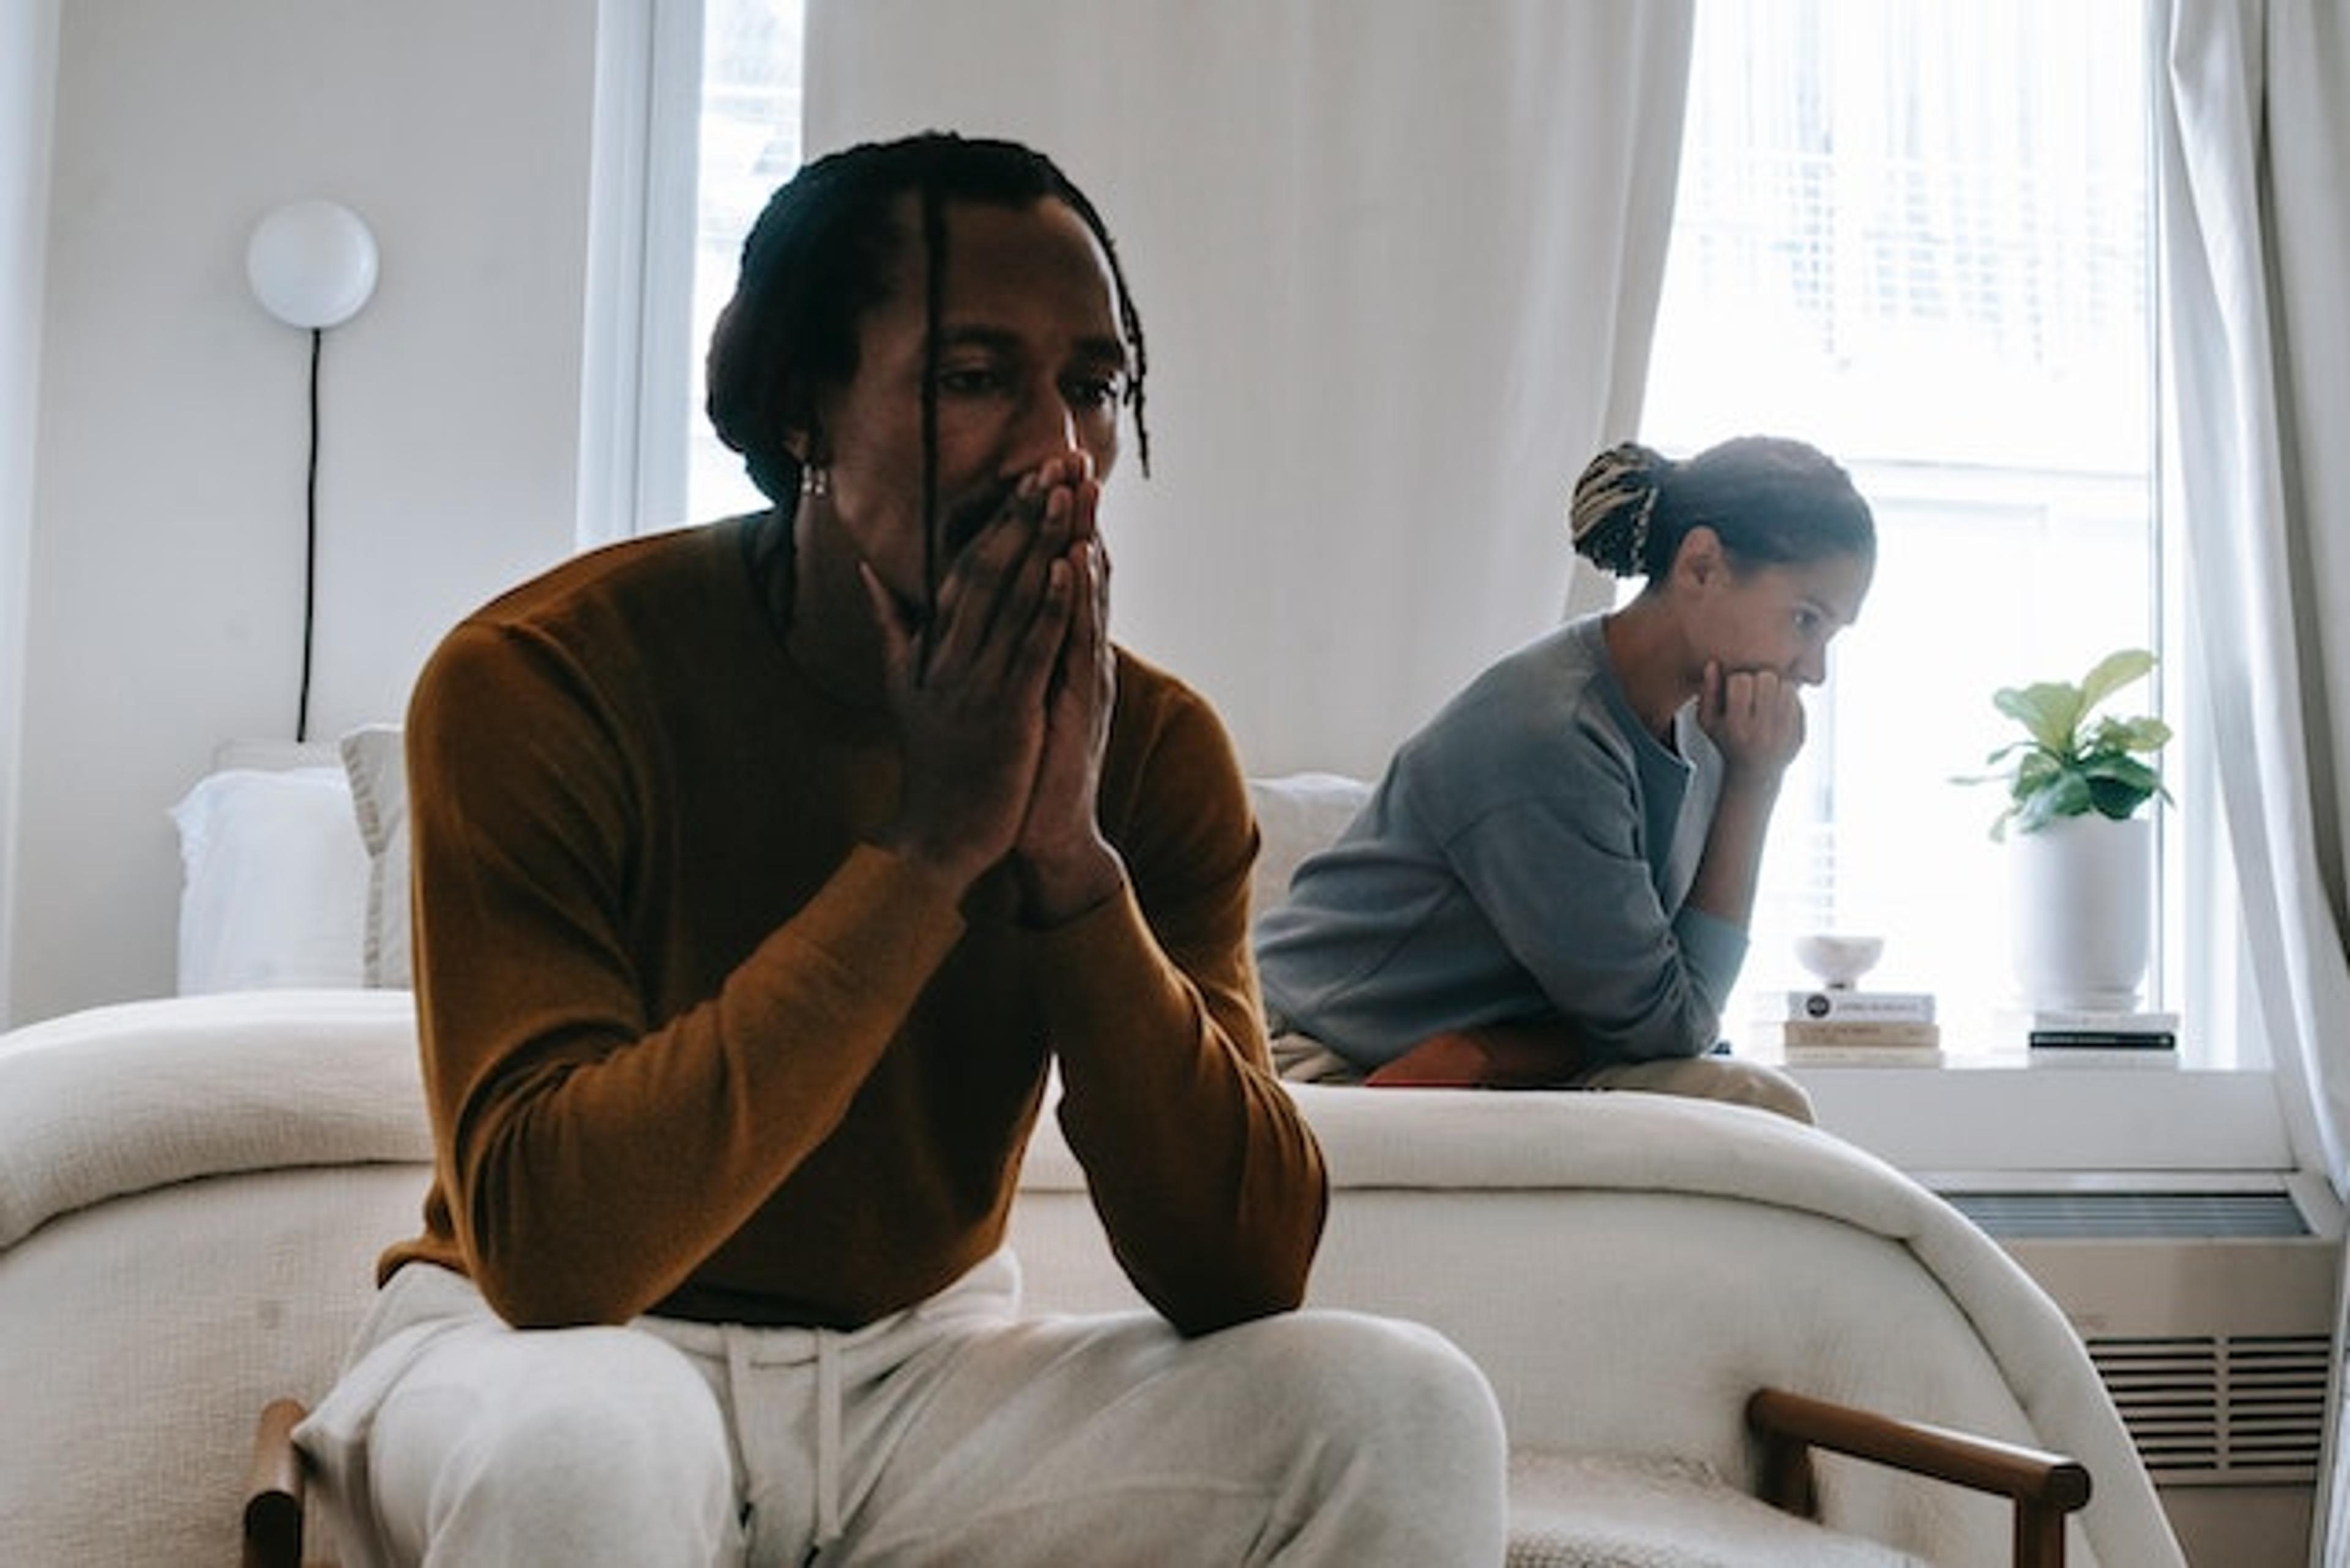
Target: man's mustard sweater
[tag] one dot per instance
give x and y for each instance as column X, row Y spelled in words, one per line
column 693, row 1045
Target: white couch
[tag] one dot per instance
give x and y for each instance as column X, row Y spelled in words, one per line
column 192, row 1191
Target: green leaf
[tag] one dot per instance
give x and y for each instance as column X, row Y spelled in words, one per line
column 2112, row 673
column 2008, row 751
column 2067, row 794
column 2047, row 710
column 2119, row 785
column 2035, row 770
column 2115, row 737
column 2121, row 770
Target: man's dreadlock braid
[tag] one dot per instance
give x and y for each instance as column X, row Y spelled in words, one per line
column 934, row 271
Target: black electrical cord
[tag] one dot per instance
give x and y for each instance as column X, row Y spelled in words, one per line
column 310, row 542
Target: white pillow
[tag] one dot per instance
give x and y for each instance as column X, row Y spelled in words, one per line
column 1297, row 814
column 376, row 766
column 273, row 881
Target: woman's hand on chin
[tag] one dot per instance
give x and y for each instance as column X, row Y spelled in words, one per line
column 1754, row 717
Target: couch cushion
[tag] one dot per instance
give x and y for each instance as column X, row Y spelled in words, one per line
column 273, row 873
column 1297, row 813
column 375, row 760
column 1642, row 1510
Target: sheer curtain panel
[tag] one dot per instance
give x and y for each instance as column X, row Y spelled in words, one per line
column 2256, row 247
column 2255, row 131
column 1398, row 266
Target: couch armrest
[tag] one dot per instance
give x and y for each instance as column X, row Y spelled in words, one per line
column 122, row 1099
column 275, row 1490
column 2043, row 1486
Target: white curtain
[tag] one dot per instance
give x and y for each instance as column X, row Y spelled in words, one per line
column 2256, row 269
column 1398, row 266
column 2256, row 254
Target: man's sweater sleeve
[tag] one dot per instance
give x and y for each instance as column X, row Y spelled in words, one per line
column 1206, row 1175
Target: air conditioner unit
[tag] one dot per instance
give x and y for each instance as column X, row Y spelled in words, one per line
column 2206, row 1300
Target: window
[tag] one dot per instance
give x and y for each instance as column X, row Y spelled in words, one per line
column 1919, row 235
column 750, row 143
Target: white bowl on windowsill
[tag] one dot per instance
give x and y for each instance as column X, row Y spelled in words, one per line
column 1838, row 960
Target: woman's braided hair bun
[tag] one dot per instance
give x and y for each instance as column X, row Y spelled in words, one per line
column 1610, row 519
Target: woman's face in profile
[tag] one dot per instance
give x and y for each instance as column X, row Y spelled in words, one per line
column 1780, row 617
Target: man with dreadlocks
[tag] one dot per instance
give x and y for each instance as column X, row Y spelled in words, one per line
column 764, row 872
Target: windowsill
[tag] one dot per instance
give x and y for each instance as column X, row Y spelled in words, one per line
column 2002, row 1114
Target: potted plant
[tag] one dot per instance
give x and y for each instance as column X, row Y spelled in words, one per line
column 2080, row 843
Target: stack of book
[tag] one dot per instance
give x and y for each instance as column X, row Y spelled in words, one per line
column 2059, row 1037
column 1839, row 1026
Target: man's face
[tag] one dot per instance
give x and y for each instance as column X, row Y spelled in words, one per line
column 1030, row 364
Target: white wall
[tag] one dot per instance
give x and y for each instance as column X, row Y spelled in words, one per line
column 27, row 56
column 1399, row 280
column 165, row 550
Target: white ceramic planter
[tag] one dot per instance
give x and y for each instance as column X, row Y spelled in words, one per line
column 2083, row 910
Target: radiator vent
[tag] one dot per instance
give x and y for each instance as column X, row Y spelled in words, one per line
column 2243, row 1411
column 2133, row 1216
column 2208, row 1308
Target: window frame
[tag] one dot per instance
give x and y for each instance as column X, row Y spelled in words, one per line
column 635, row 425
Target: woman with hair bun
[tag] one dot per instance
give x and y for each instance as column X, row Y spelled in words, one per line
column 1552, row 883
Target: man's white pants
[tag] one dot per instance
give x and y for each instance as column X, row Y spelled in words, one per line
column 955, row 1432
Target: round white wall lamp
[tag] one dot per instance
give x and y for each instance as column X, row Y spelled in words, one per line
column 312, row 264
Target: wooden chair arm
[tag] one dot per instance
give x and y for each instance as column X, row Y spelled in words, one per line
column 273, row 1489
column 2044, row 1487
